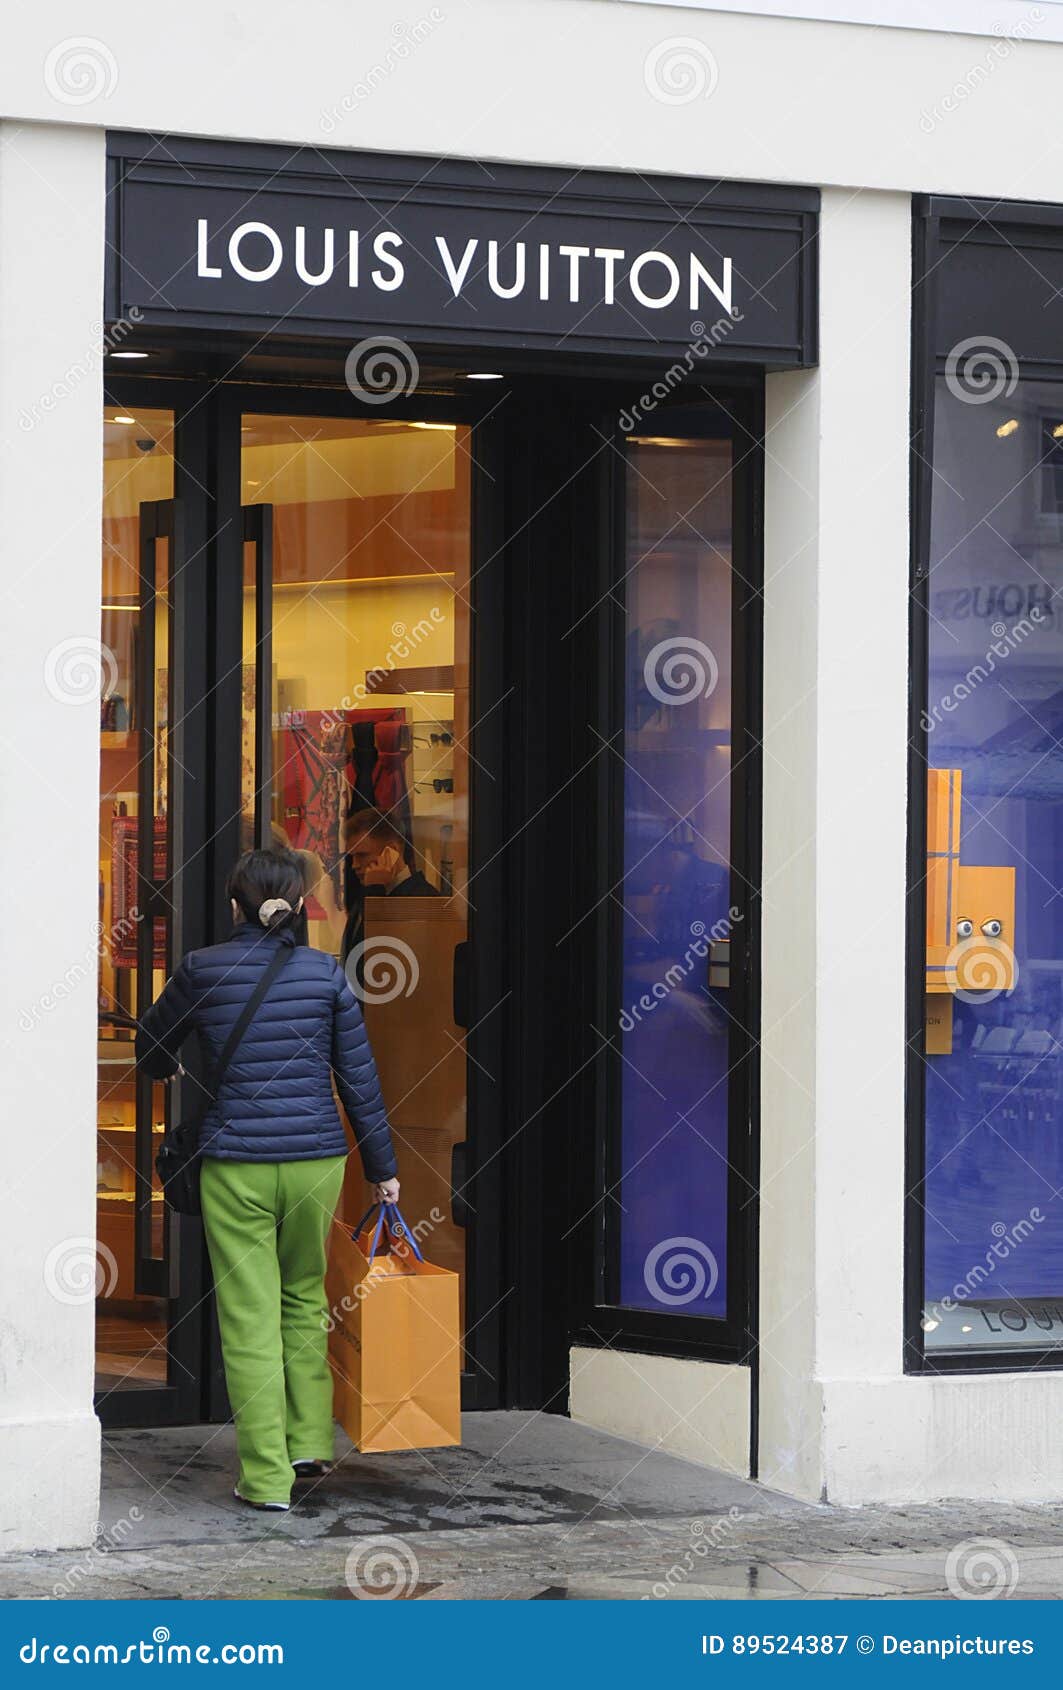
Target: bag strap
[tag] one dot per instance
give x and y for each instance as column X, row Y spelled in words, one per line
column 389, row 1214
column 243, row 1021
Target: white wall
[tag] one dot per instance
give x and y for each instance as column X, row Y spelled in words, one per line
column 699, row 1410
column 51, row 262
column 561, row 81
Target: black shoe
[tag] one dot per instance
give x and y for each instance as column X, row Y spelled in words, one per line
column 310, row 1469
column 264, row 1507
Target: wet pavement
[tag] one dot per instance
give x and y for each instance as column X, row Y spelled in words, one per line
column 530, row 1507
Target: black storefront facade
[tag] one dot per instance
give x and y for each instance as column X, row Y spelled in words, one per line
column 589, row 349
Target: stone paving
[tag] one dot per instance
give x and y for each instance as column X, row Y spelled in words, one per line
column 530, row 1507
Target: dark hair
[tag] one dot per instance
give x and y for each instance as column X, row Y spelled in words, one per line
column 259, row 875
column 370, row 824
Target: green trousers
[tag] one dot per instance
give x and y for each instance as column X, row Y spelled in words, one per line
column 266, row 1225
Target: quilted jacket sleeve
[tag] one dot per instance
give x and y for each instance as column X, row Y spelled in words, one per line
column 358, row 1086
column 166, row 1025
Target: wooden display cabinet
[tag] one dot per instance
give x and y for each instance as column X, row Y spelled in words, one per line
column 115, row 1178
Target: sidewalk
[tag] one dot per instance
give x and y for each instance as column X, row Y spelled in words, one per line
column 530, row 1507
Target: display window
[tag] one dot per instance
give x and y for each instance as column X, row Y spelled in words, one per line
column 992, row 727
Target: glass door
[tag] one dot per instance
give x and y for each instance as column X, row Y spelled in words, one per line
column 143, row 1344
column 356, row 750
column 675, row 1188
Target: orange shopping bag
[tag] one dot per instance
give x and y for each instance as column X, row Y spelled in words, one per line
column 394, row 1345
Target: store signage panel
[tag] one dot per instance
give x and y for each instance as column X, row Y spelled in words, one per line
column 449, row 253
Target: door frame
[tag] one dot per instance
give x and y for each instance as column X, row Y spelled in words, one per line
column 207, row 472
column 599, row 1322
column 179, row 1401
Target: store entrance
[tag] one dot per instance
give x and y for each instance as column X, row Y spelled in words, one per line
column 287, row 640
column 355, row 741
column 417, row 644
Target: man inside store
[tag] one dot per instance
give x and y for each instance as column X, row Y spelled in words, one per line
column 378, row 853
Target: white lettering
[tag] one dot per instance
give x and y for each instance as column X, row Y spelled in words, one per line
column 328, row 258
column 518, row 271
column 205, row 269
column 457, row 275
column 574, row 254
column 698, row 273
column 381, row 243
column 635, row 281
column 610, row 256
column 237, row 262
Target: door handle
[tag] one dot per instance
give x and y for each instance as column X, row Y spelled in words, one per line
column 719, row 964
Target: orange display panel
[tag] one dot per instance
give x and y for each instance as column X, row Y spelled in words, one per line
column 970, row 915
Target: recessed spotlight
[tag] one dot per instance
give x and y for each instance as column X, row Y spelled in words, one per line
column 484, row 375
column 1057, row 432
column 128, row 420
column 129, row 354
column 1007, row 428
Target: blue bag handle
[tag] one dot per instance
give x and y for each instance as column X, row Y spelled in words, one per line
column 388, row 1210
column 402, row 1230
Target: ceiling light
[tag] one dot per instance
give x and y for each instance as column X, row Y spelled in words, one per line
column 484, row 375
column 1007, row 428
column 448, row 427
column 1057, row 432
column 129, row 354
column 129, row 420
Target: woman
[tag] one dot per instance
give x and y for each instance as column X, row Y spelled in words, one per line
column 273, row 1156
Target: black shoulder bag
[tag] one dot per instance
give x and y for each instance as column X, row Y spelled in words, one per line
column 180, row 1153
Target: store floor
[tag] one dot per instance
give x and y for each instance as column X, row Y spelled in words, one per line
column 529, row 1507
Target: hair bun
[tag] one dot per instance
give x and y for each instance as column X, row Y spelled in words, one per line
column 271, row 907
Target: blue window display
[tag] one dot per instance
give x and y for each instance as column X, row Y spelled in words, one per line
column 671, row 1202
column 994, row 730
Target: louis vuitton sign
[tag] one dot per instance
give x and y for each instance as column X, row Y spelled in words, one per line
column 448, row 253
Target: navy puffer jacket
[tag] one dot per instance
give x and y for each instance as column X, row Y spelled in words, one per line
column 276, row 1102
